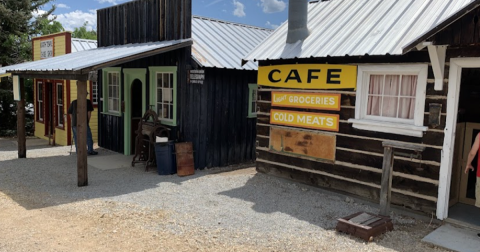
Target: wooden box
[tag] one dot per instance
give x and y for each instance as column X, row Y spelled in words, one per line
column 364, row 225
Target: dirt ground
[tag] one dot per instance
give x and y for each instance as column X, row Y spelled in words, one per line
column 67, row 229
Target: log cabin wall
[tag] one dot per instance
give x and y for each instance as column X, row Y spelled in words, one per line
column 144, row 21
column 357, row 168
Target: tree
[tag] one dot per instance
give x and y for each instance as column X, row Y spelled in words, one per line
column 81, row 32
column 17, row 26
column 17, row 23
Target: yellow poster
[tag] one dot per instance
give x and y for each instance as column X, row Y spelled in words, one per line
column 306, row 100
column 308, row 76
column 305, row 119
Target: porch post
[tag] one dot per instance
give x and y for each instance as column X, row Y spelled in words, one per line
column 82, row 133
column 22, row 144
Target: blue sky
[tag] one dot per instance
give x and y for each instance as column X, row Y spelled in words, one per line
column 263, row 13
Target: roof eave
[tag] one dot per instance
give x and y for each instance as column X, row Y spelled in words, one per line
column 427, row 35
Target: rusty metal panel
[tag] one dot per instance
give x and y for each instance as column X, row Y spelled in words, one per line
column 318, row 145
column 185, row 164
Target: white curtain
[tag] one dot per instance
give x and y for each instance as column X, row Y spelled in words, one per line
column 375, row 95
column 392, row 96
column 407, row 93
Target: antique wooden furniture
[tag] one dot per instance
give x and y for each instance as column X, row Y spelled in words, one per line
column 148, row 129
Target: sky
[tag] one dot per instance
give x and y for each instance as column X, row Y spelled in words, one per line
column 262, row 13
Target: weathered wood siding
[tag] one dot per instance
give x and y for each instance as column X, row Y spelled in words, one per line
column 359, row 153
column 144, row 21
column 215, row 118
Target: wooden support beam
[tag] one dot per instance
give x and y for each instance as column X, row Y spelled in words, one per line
column 22, row 143
column 82, row 133
column 386, row 186
column 437, row 58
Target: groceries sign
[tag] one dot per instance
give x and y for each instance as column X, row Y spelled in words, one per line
column 306, row 100
column 308, row 76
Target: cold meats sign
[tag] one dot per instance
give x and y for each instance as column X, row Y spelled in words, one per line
column 308, row 76
column 306, row 100
column 305, row 119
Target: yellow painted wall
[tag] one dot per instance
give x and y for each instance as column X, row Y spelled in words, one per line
column 60, row 134
column 94, row 119
column 59, row 45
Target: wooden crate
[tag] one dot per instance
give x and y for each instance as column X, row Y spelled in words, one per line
column 364, row 225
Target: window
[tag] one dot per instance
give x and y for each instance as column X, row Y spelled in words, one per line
column 111, row 91
column 59, row 104
column 40, row 101
column 164, row 101
column 94, row 93
column 163, row 93
column 391, row 99
column 252, row 100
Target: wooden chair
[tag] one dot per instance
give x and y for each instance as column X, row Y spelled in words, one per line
column 148, row 129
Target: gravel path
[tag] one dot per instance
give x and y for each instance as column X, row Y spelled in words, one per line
column 128, row 209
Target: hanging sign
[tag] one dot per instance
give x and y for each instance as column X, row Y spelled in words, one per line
column 305, row 119
column 17, row 95
column 46, row 49
column 309, row 76
column 196, row 76
column 306, row 100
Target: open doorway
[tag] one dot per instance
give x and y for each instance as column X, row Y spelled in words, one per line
column 462, row 186
column 136, row 108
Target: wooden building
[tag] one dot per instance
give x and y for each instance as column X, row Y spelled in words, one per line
column 53, row 96
column 408, row 77
column 200, row 92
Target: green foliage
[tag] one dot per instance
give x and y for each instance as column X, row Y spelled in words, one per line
column 81, row 32
column 46, row 27
column 17, row 26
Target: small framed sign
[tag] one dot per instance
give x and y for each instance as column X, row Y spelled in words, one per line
column 196, row 76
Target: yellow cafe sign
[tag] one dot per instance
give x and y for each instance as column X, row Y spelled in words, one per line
column 306, row 100
column 308, row 76
column 305, row 119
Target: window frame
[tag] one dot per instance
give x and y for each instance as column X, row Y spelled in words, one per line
column 252, row 88
column 105, row 87
column 94, row 93
column 410, row 127
column 153, row 71
column 57, row 106
column 40, row 102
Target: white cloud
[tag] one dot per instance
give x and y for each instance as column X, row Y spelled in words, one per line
column 270, row 25
column 108, row 1
column 77, row 18
column 213, row 2
column 272, row 6
column 64, row 6
column 239, row 9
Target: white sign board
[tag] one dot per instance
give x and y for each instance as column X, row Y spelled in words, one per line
column 196, row 76
column 16, row 89
column 46, row 49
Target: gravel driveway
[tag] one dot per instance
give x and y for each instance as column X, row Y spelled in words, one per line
column 130, row 209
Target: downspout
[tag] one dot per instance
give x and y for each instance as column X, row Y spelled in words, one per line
column 297, row 21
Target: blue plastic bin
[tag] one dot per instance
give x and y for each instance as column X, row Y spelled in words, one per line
column 164, row 154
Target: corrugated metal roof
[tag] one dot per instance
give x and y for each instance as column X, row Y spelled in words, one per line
column 222, row 44
column 83, row 44
column 90, row 58
column 359, row 27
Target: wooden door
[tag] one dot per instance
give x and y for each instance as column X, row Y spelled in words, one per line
column 136, row 109
column 468, row 181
